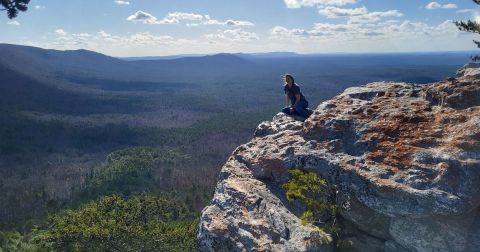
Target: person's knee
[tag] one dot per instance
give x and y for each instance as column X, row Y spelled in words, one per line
column 286, row 110
column 301, row 111
column 299, row 107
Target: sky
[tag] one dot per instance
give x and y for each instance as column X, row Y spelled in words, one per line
column 168, row 27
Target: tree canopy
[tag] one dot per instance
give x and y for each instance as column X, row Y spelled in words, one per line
column 14, row 6
column 471, row 26
column 114, row 223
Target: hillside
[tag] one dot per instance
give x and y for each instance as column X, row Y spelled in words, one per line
column 45, row 63
column 64, row 112
column 401, row 162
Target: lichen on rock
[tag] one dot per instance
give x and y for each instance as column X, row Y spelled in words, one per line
column 404, row 157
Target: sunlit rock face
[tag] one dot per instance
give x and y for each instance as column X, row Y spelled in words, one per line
column 404, row 160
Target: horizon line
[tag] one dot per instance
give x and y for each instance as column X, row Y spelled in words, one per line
column 200, row 54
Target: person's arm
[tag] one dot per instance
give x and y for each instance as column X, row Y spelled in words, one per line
column 297, row 99
column 287, row 100
column 296, row 92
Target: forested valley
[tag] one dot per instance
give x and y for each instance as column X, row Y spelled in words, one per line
column 94, row 147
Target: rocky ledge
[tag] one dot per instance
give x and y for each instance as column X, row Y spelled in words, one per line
column 403, row 160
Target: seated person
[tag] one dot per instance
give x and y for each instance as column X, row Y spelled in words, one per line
column 298, row 103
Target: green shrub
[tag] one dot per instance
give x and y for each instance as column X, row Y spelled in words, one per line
column 113, row 223
column 130, row 170
column 321, row 210
column 14, row 241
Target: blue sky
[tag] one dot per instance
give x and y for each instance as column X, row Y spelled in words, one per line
column 166, row 27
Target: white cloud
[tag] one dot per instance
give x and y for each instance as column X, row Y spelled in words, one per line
column 39, row 7
column 146, row 38
column 357, row 15
column 177, row 17
column 230, row 22
column 466, row 11
column 321, row 31
column 409, row 28
column 450, row 6
column 107, row 37
column 120, row 2
column 433, row 6
column 356, row 29
column 436, row 5
column 107, row 41
column 136, row 39
column 190, row 19
column 146, row 43
column 331, row 11
column 391, row 29
column 374, row 16
column 193, row 20
column 16, row 23
column 386, row 35
column 389, row 35
column 238, row 23
column 327, row 29
column 310, row 3
column 143, row 17
column 232, row 35
column 280, row 32
column 66, row 40
column 60, row 32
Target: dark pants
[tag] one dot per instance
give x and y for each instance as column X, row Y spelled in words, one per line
column 299, row 109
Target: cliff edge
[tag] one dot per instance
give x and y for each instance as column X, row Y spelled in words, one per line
column 403, row 160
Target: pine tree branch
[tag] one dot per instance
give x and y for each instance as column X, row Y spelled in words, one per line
column 469, row 26
column 477, row 43
column 12, row 7
column 473, row 27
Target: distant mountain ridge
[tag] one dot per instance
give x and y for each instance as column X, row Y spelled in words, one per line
column 168, row 57
column 247, row 55
column 87, row 70
column 38, row 62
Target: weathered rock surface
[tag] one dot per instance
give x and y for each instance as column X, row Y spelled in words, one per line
column 404, row 160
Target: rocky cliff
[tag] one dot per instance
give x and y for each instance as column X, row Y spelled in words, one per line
column 403, row 160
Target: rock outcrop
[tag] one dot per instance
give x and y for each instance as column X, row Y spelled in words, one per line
column 404, row 161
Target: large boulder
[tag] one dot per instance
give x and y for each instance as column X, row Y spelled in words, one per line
column 402, row 158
